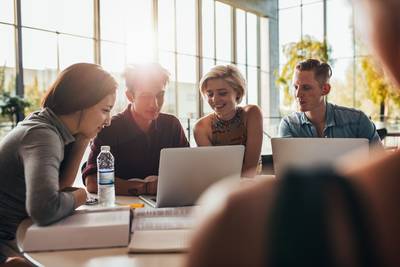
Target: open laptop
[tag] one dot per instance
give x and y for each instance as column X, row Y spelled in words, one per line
column 184, row 173
column 307, row 152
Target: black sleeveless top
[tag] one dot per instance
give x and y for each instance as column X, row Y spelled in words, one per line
column 299, row 232
column 231, row 132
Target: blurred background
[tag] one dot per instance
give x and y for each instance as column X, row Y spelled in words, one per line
column 264, row 38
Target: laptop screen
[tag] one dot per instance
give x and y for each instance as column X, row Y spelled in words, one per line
column 184, row 173
column 308, row 152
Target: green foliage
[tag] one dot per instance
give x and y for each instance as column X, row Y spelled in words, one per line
column 377, row 85
column 11, row 106
column 308, row 47
column 380, row 90
column 2, row 78
column 34, row 94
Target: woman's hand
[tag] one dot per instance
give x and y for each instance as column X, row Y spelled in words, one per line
column 79, row 194
column 72, row 160
column 81, row 139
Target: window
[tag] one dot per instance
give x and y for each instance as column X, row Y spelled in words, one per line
column 7, row 48
column 186, row 88
column 342, row 83
column 113, row 20
column 289, row 29
column 186, row 60
column 344, row 38
column 139, row 31
column 339, row 31
column 208, row 22
column 252, row 59
column 313, row 20
column 185, row 27
column 74, row 49
column 223, row 32
column 252, row 43
column 241, row 37
column 58, row 33
column 166, row 54
column 7, row 61
column 65, row 16
column 55, row 34
column 40, row 61
column 7, row 11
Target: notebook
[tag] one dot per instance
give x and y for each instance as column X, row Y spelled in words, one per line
column 161, row 230
column 308, row 152
column 83, row 229
column 184, row 173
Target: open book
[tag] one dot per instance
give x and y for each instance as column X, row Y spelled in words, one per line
column 161, row 230
column 83, row 229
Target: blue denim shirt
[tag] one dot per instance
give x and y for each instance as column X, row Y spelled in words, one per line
column 341, row 122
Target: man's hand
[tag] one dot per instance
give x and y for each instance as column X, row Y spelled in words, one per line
column 136, row 187
column 151, row 184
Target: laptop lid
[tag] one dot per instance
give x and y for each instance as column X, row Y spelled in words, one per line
column 307, row 152
column 184, row 173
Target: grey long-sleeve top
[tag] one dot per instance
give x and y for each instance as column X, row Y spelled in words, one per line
column 31, row 157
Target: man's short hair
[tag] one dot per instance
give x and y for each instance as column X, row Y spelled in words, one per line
column 322, row 70
column 150, row 72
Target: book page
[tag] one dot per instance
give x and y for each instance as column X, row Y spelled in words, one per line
column 163, row 219
column 160, row 241
column 99, row 208
column 162, row 212
column 162, row 223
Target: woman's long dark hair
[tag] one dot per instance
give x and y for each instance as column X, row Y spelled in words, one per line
column 78, row 87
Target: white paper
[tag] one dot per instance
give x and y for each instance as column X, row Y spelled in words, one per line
column 160, row 241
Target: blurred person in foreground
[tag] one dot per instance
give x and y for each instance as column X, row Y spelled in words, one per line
column 317, row 217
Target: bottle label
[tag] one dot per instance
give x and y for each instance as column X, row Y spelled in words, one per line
column 106, row 177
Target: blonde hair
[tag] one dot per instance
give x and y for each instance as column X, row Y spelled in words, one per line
column 230, row 74
column 150, row 72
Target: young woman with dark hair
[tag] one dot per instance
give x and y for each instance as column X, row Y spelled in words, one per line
column 39, row 158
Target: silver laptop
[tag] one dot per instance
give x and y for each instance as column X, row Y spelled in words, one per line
column 307, row 152
column 184, row 173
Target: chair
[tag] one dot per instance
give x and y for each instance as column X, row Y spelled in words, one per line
column 267, row 164
column 382, row 133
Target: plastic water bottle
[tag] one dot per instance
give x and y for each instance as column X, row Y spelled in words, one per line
column 105, row 177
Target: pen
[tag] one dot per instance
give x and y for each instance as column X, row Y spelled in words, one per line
column 133, row 205
column 136, row 205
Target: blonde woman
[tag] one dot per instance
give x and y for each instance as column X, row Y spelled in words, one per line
column 223, row 87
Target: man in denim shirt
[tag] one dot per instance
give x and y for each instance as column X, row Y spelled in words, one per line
column 318, row 118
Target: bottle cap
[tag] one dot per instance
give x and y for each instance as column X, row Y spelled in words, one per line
column 105, row 148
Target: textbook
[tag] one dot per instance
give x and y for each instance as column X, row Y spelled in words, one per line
column 83, row 229
column 161, row 230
